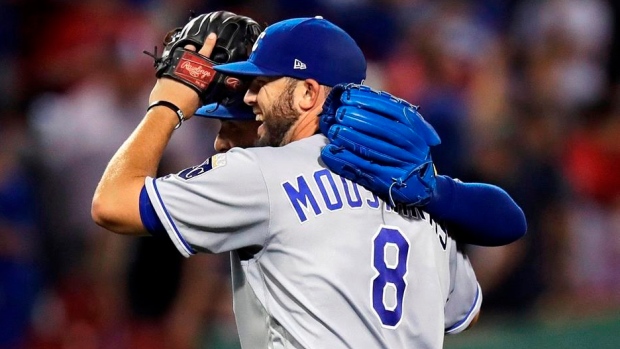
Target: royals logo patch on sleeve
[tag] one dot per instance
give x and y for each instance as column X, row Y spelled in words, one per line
column 217, row 160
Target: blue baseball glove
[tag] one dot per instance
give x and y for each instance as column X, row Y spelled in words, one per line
column 380, row 142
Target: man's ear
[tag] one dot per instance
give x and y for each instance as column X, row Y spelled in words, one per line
column 312, row 95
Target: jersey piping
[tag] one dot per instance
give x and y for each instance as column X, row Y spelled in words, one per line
column 475, row 308
column 182, row 245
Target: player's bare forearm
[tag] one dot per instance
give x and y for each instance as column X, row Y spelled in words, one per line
column 116, row 203
column 116, row 200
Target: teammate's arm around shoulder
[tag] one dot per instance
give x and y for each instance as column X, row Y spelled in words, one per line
column 116, row 202
column 477, row 213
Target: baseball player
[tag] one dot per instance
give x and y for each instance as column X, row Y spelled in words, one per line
column 238, row 126
column 317, row 261
column 454, row 202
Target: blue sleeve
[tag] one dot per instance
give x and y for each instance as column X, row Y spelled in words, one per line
column 149, row 217
column 477, row 213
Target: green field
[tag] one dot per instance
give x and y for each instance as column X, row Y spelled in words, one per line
column 601, row 332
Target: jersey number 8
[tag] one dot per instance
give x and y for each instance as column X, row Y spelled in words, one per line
column 390, row 253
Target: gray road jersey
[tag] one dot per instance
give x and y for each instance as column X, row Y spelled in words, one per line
column 318, row 261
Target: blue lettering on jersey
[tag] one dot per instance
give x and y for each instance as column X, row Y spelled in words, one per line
column 390, row 283
column 407, row 211
column 442, row 235
column 301, row 196
column 375, row 203
column 440, row 229
column 337, row 201
column 303, row 200
column 357, row 200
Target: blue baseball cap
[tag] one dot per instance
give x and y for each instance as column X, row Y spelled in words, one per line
column 238, row 111
column 303, row 48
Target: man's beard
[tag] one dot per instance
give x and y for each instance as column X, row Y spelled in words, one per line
column 280, row 119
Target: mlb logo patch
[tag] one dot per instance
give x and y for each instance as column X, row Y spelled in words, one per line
column 217, row 160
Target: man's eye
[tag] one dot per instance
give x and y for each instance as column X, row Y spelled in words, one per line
column 233, row 128
column 256, row 84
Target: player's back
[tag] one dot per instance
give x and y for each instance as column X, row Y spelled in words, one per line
column 340, row 269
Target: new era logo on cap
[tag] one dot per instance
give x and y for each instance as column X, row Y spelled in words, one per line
column 303, row 48
column 299, row 64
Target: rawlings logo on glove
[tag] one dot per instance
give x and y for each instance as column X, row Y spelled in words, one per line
column 195, row 71
column 235, row 35
column 380, row 142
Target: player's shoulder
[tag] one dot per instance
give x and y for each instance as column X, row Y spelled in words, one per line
column 318, row 140
column 309, row 145
column 299, row 156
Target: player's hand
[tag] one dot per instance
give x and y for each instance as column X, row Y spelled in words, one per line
column 177, row 93
column 380, row 142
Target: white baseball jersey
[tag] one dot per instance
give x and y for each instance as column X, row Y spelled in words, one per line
column 317, row 261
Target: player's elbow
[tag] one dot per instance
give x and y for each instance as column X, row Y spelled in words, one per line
column 522, row 225
column 103, row 213
column 114, row 216
column 517, row 227
column 473, row 321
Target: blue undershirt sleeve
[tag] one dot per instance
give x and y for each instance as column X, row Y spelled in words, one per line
column 477, row 213
column 149, row 217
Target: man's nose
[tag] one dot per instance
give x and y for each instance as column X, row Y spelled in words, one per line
column 250, row 97
column 222, row 145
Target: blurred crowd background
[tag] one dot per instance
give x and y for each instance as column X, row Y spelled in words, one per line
column 524, row 94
